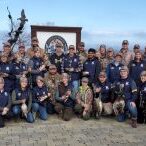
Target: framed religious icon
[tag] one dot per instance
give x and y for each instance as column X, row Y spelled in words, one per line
column 49, row 36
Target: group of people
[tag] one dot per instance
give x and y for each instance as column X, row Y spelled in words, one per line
column 89, row 84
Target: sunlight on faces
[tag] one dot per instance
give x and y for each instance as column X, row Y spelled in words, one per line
column 123, row 73
column 23, row 82
column 138, row 55
column 37, row 53
column 91, row 54
column 118, row 58
column 40, row 83
column 102, row 78
column 4, row 58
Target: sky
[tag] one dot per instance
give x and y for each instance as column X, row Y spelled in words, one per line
column 103, row 21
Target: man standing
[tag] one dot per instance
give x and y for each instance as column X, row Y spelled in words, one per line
column 81, row 52
column 127, row 55
column 57, row 57
column 91, row 67
column 72, row 66
column 34, row 47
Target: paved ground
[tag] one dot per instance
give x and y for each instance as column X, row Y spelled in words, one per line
column 55, row 132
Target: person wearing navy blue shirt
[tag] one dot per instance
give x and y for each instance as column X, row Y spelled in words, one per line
column 113, row 69
column 72, row 65
column 20, row 69
column 136, row 66
column 57, row 57
column 128, row 90
column 5, row 102
column 103, row 96
column 40, row 98
column 142, row 99
column 36, row 67
column 91, row 67
column 22, row 101
column 64, row 98
column 6, row 71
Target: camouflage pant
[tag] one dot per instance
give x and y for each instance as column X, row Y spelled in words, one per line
column 105, row 108
column 80, row 110
column 119, row 106
column 65, row 112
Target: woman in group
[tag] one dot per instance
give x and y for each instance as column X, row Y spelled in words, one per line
column 84, row 100
column 5, row 102
column 142, row 99
column 64, row 98
column 102, row 100
column 22, row 101
column 40, row 98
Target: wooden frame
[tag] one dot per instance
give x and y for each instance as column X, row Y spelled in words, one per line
column 77, row 30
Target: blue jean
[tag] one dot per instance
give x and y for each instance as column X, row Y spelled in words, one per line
column 132, row 110
column 50, row 108
column 42, row 110
column 75, row 85
column 16, row 110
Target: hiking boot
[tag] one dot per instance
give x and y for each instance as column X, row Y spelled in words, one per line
column 134, row 123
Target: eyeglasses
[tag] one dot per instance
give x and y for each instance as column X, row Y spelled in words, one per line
column 52, row 68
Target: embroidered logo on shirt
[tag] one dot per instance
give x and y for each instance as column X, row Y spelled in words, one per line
column 133, row 64
column 6, row 94
column 19, row 94
column 127, row 83
column 7, row 68
column 75, row 60
column 141, row 65
column 93, row 62
column 106, row 87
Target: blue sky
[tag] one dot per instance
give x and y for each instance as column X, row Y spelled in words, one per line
column 103, row 21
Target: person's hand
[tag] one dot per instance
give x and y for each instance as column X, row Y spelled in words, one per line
column 71, row 69
column 68, row 93
column 132, row 104
column 86, row 107
column 49, row 94
column 42, row 68
column 23, row 101
column 5, row 111
column 98, row 90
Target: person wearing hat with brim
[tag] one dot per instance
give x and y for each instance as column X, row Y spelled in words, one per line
column 142, row 100
column 136, row 48
column 113, row 69
column 7, row 72
column 41, row 96
column 110, row 55
column 72, row 65
column 82, row 52
column 127, row 55
column 5, row 103
column 52, row 79
column 57, row 57
column 7, row 50
column 34, row 46
column 64, row 98
column 36, row 67
column 144, row 54
column 102, row 99
column 84, row 99
column 136, row 66
column 126, row 92
column 22, row 53
column 103, row 57
column 91, row 67
column 22, row 101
